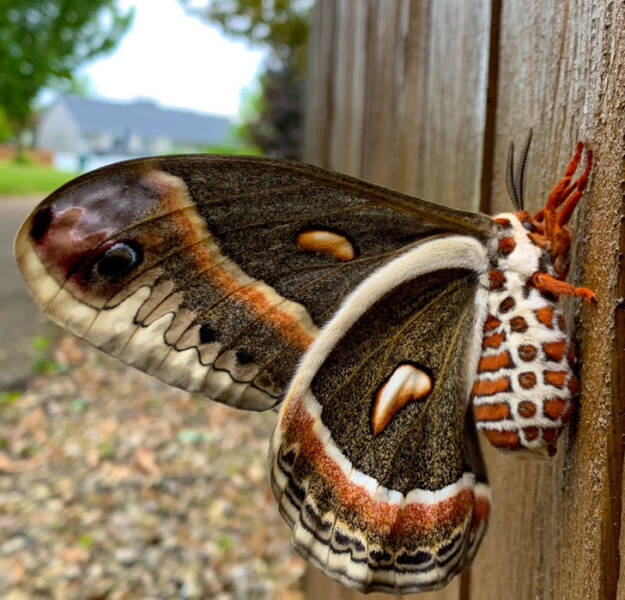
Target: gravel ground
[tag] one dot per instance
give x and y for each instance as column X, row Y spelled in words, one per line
column 114, row 486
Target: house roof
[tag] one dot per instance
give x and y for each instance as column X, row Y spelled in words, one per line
column 147, row 119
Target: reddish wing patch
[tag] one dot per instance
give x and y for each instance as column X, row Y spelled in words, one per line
column 506, row 245
column 527, row 380
column 409, row 520
column 550, row 434
column 497, row 279
column 545, row 316
column 526, row 409
column 573, row 386
column 492, row 322
column 555, row 378
column 502, row 439
column 507, row 304
column 530, row 433
column 518, row 324
column 554, row 407
column 527, row 352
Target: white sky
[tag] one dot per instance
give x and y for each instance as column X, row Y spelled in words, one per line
column 177, row 60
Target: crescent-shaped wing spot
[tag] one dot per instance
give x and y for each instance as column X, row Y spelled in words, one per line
column 406, row 383
column 328, row 242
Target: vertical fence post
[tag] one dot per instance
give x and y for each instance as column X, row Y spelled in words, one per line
column 555, row 526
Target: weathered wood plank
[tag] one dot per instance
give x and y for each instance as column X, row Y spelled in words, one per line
column 349, row 97
column 403, row 105
column 319, row 87
column 555, row 526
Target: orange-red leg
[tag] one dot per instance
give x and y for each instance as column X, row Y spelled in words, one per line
column 564, row 196
column 561, row 191
column 546, row 283
column 580, row 183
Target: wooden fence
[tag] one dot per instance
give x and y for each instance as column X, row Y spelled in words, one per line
column 424, row 96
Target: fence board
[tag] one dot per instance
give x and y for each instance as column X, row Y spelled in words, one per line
column 414, row 132
column 555, row 526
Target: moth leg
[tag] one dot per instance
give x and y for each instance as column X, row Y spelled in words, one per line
column 546, row 283
column 565, row 194
column 560, row 192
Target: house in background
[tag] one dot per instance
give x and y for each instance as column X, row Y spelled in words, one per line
column 84, row 133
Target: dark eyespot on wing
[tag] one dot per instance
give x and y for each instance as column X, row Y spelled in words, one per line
column 119, row 260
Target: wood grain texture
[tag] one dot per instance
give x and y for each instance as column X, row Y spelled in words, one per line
column 397, row 94
column 555, row 526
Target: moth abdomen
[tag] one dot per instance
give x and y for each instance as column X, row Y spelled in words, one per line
column 524, row 390
column 525, row 387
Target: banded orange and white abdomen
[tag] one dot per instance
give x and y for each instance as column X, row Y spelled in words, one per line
column 525, row 387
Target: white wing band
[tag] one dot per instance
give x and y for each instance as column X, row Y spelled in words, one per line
column 450, row 252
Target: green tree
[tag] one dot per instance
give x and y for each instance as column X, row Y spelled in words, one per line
column 281, row 25
column 42, row 42
column 5, row 127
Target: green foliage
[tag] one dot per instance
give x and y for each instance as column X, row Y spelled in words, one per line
column 43, row 363
column 237, row 150
column 224, row 543
column 280, row 24
column 106, row 449
column 23, row 160
column 22, row 177
column 272, row 120
column 8, row 398
column 79, row 85
column 42, row 42
column 278, row 126
column 5, row 126
column 86, row 541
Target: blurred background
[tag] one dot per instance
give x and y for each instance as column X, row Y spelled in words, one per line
column 111, row 484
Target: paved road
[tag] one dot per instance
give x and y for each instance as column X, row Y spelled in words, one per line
column 20, row 321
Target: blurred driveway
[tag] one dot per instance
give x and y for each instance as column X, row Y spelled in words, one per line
column 20, row 321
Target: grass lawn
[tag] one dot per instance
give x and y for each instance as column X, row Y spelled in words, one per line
column 30, row 179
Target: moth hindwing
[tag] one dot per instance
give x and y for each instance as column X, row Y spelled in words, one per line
column 373, row 313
